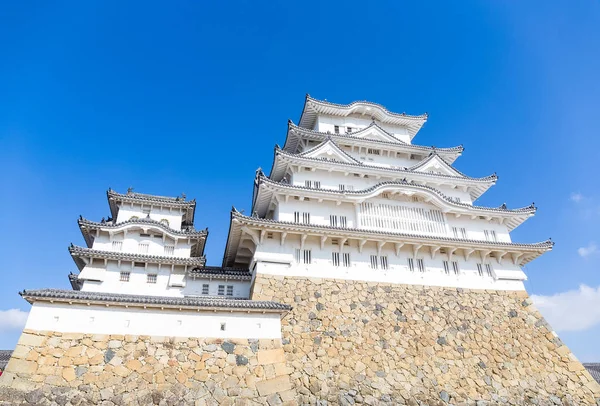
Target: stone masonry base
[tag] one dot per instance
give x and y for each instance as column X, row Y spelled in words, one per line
column 345, row 342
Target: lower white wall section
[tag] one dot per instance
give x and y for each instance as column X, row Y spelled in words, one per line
column 66, row 318
column 276, row 259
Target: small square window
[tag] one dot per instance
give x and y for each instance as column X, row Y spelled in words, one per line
column 230, row 290
column 221, row 291
column 151, row 278
column 223, row 326
column 205, row 289
column 125, row 276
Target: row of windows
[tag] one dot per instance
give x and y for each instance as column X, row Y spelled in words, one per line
column 143, row 247
column 336, row 129
column 381, row 262
column 150, row 278
column 163, row 221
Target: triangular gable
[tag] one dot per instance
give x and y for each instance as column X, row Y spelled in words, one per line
column 436, row 164
column 330, row 151
column 374, row 132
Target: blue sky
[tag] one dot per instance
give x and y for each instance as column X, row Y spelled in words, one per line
column 192, row 98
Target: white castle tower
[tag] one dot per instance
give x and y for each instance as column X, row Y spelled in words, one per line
column 349, row 196
column 143, row 272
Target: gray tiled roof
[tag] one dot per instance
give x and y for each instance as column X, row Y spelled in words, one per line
column 4, row 358
column 78, row 252
column 158, row 301
column 594, row 370
column 261, row 177
column 112, row 224
column 215, row 272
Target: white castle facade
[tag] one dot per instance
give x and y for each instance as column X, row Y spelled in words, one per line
column 349, row 196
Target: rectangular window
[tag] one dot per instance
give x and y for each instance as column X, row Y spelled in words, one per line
column 306, row 218
column 490, row 235
column 139, row 264
column 151, row 278
column 463, row 233
column 317, row 184
column 384, row 262
column 205, row 289
column 117, row 245
column 455, row 267
column 374, row 262
column 221, row 291
column 308, row 183
column 346, row 259
column 335, row 258
column 336, row 129
column 420, row 265
column 296, row 217
column 144, row 235
column 343, row 221
column 372, row 151
column 480, row 269
column 229, row 290
column 169, row 249
column 333, row 220
column 348, row 129
column 411, row 265
column 488, row 270
column 307, row 256
column 342, row 187
column 446, row 268
column 269, row 236
column 143, row 247
column 297, row 255
column 125, row 276
column 455, row 232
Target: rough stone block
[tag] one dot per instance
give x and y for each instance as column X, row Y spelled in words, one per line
column 271, row 386
column 271, row 356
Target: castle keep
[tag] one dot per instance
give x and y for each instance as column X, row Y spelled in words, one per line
column 365, row 273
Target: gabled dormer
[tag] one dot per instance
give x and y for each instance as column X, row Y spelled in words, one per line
column 436, row 164
column 329, row 151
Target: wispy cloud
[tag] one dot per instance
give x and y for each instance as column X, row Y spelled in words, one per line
column 589, row 250
column 573, row 310
column 576, row 197
column 12, row 319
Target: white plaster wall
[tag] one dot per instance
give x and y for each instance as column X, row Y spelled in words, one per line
column 398, row 272
column 320, row 212
column 170, row 323
column 332, row 180
column 174, row 216
column 137, row 285
column 327, row 123
column 193, row 287
column 131, row 243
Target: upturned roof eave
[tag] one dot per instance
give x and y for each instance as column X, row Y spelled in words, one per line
column 373, row 169
column 463, row 209
column 155, row 200
column 160, row 302
column 413, row 123
column 417, row 238
column 84, row 223
column 450, row 153
column 78, row 253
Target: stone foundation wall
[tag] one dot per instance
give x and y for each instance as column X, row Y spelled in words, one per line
column 351, row 342
column 344, row 342
column 77, row 369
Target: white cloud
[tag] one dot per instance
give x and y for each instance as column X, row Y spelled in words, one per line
column 576, row 197
column 585, row 251
column 573, row 310
column 12, row 319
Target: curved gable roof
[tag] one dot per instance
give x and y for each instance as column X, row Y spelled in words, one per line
column 313, row 107
column 329, row 150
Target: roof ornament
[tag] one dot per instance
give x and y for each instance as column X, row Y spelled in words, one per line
column 503, row 207
column 129, row 190
column 103, row 221
column 147, row 216
column 183, row 196
column 255, row 214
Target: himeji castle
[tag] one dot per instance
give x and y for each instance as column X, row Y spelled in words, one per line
column 350, row 196
column 365, row 272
